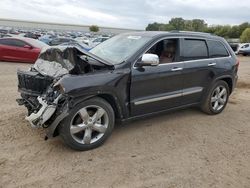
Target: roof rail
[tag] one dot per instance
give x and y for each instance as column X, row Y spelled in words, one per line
column 191, row 32
column 174, row 31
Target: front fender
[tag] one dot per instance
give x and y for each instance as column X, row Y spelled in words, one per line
column 115, row 84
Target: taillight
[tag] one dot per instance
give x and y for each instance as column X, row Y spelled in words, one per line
column 237, row 63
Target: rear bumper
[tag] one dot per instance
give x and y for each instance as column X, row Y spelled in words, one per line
column 235, row 82
column 243, row 52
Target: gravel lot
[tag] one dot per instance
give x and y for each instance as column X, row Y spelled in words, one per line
column 180, row 149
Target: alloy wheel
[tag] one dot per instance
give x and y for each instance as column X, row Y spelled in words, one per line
column 89, row 124
column 219, row 98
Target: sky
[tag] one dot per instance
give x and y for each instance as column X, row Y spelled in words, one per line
column 135, row 14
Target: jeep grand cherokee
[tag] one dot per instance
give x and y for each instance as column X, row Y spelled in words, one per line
column 79, row 95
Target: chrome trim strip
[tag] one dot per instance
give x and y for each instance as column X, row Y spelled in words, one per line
column 206, row 59
column 157, row 99
column 167, row 97
column 172, row 63
column 176, row 69
column 192, row 92
column 191, row 61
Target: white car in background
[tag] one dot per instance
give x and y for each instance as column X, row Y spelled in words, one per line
column 244, row 49
column 84, row 40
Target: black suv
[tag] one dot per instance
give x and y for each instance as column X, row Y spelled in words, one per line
column 80, row 95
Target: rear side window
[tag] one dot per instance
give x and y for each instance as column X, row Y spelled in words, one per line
column 12, row 42
column 194, row 49
column 216, row 49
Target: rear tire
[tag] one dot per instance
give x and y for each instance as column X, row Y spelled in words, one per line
column 88, row 124
column 216, row 98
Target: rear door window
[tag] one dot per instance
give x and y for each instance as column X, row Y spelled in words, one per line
column 216, row 49
column 193, row 49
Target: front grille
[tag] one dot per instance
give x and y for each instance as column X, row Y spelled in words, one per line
column 30, row 82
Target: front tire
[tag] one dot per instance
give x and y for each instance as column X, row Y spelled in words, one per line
column 216, row 98
column 88, row 125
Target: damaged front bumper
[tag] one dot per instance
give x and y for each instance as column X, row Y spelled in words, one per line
column 37, row 119
column 45, row 114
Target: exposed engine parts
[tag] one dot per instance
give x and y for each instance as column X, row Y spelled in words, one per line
column 46, row 111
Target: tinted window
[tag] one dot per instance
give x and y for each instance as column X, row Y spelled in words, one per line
column 12, row 42
column 4, row 41
column 166, row 50
column 194, row 49
column 216, row 49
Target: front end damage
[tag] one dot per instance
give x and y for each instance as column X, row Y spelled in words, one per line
column 37, row 119
column 46, row 110
column 40, row 88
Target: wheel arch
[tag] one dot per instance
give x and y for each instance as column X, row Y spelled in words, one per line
column 228, row 80
column 111, row 99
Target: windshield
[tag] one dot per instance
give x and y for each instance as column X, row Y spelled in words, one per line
column 119, row 48
column 36, row 43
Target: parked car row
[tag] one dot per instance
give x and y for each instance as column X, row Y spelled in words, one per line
column 20, row 49
column 25, row 46
column 77, row 44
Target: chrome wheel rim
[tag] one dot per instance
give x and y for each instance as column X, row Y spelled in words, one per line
column 89, row 124
column 219, row 98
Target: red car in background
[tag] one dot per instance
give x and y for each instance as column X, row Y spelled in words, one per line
column 19, row 49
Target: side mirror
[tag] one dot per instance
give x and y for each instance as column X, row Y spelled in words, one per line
column 149, row 60
column 27, row 46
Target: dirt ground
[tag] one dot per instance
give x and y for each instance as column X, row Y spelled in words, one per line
column 180, row 149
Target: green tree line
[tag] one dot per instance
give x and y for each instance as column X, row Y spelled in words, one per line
column 226, row 31
column 94, row 28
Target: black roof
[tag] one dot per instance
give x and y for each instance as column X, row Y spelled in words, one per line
column 173, row 33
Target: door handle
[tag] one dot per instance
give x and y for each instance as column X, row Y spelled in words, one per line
column 176, row 69
column 211, row 64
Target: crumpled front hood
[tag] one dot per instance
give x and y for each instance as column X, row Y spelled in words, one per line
column 60, row 60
